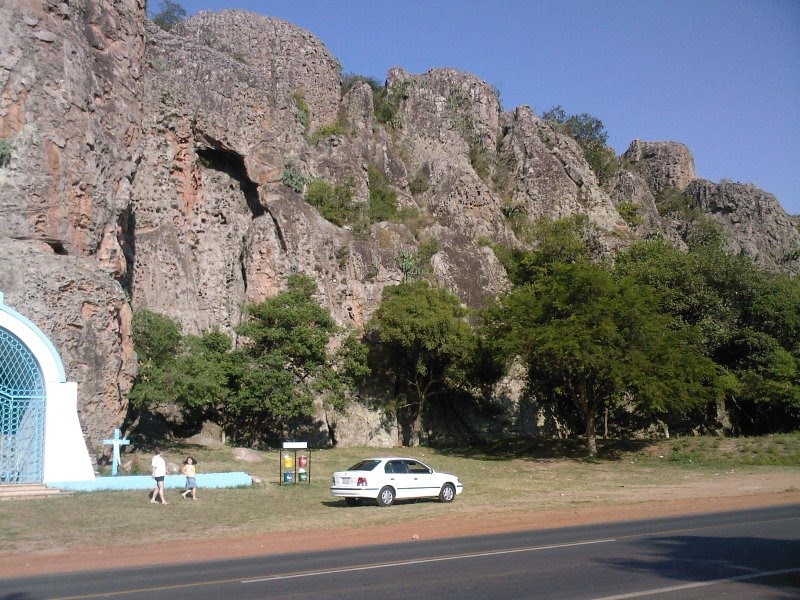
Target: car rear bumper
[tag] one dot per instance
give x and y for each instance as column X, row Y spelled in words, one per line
column 354, row 492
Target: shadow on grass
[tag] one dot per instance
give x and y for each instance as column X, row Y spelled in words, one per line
column 367, row 503
column 539, row 449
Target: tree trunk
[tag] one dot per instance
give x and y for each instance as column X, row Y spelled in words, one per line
column 416, row 429
column 588, row 414
column 416, row 425
column 591, row 434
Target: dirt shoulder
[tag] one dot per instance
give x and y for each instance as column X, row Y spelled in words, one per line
column 690, row 501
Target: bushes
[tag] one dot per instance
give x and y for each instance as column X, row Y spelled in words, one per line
column 591, row 135
column 5, row 152
column 301, row 110
column 334, row 202
column 339, row 127
column 386, row 102
column 350, row 80
column 382, row 198
column 629, row 211
column 292, row 177
column 421, row 181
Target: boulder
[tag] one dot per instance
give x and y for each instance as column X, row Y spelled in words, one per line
column 247, row 455
column 662, row 164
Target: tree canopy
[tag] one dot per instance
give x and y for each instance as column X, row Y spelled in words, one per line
column 283, row 364
column 698, row 339
column 188, row 373
column 749, row 321
column 591, row 339
column 170, row 13
column 591, row 135
column 420, row 337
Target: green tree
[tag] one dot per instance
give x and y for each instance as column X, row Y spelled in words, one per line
column 284, row 364
column 590, row 340
column 557, row 240
column 682, row 282
column 382, row 198
column 749, row 321
column 188, row 372
column 334, row 202
column 591, row 135
column 156, row 338
column 170, row 14
column 422, row 341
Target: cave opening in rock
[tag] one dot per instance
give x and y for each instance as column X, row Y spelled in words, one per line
column 232, row 164
column 57, row 247
column 126, row 223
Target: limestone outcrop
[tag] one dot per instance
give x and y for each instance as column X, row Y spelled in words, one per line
column 752, row 220
column 168, row 170
column 70, row 112
column 662, row 164
column 87, row 317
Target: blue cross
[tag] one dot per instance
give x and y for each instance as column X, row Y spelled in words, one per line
column 117, row 442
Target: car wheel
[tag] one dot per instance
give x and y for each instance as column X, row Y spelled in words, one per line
column 447, row 493
column 353, row 501
column 386, row 496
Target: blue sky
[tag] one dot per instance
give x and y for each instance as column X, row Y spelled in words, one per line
column 722, row 77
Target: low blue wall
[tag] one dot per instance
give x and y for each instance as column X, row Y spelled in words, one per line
column 145, row 482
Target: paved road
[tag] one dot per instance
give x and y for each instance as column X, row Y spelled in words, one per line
column 748, row 554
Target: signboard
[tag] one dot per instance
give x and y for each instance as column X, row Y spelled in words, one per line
column 294, row 445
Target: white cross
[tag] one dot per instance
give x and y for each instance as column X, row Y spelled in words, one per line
column 117, row 442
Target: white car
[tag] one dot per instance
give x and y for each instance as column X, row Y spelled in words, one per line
column 393, row 478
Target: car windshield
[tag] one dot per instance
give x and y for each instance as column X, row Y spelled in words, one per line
column 364, row 465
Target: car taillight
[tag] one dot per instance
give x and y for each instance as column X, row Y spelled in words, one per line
column 362, row 481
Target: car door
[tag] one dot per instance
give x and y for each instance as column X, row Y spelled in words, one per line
column 398, row 477
column 422, row 481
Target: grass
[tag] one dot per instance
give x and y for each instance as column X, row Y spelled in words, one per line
column 521, row 477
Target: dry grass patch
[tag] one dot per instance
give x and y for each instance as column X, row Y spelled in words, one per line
column 501, row 481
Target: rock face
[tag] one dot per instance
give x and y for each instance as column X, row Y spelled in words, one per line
column 291, row 60
column 635, row 202
column 70, row 110
column 752, row 220
column 166, row 170
column 662, row 164
column 87, row 317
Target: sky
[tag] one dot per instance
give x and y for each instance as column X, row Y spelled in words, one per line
column 721, row 77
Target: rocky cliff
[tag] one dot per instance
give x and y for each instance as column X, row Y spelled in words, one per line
column 70, row 111
column 148, row 169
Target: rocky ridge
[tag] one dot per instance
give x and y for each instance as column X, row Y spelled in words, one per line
column 148, row 169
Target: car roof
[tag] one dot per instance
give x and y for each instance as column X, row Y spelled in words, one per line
column 392, row 458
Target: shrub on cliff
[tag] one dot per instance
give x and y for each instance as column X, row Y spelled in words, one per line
column 5, row 152
column 382, row 198
column 334, row 202
column 170, row 14
column 591, row 135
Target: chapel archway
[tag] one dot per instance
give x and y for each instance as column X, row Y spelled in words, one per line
column 22, row 412
column 41, row 440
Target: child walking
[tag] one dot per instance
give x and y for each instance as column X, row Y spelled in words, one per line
column 159, row 466
column 190, row 470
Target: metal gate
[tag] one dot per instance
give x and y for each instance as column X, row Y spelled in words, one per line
column 22, row 405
